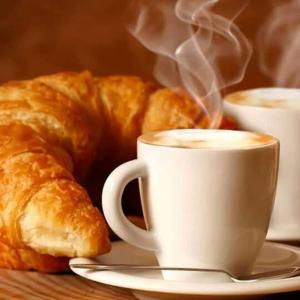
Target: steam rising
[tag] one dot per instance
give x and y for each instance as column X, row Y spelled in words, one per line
column 198, row 49
column 279, row 44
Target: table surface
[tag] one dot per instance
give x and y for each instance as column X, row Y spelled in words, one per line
column 22, row 285
column 36, row 286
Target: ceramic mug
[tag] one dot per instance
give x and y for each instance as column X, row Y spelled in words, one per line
column 207, row 197
column 276, row 111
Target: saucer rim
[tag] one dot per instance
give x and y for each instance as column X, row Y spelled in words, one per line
column 139, row 283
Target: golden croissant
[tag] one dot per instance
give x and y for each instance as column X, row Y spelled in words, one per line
column 52, row 129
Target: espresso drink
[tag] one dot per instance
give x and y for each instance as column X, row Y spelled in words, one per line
column 206, row 139
column 275, row 111
column 207, row 197
column 267, row 97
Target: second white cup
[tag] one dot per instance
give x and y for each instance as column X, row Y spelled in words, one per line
column 276, row 111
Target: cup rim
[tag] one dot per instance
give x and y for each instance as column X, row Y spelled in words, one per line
column 142, row 139
column 260, row 107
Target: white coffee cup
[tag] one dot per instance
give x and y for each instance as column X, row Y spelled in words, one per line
column 207, row 197
column 276, row 111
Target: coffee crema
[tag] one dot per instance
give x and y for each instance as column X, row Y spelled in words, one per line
column 267, row 97
column 207, row 139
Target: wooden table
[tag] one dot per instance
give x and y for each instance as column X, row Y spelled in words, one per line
column 17, row 285
column 35, row 286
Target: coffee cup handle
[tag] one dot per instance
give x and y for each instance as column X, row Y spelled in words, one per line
column 112, row 205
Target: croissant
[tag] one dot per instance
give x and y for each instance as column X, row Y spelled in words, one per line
column 47, row 139
column 52, row 129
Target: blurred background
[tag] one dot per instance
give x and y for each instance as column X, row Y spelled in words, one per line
column 42, row 37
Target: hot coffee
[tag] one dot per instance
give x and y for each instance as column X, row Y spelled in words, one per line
column 222, row 139
column 207, row 197
column 275, row 111
column 267, row 97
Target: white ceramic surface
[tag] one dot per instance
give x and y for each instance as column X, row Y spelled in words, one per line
column 272, row 256
column 283, row 123
column 284, row 235
column 206, row 208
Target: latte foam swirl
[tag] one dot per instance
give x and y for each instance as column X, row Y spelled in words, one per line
column 267, row 97
column 205, row 138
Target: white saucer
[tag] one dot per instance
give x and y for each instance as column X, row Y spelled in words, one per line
column 151, row 285
column 283, row 235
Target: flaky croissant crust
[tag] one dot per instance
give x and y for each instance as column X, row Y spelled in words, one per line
column 47, row 136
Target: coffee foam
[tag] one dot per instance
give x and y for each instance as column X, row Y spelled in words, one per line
column 267, row 97
column 206, row 138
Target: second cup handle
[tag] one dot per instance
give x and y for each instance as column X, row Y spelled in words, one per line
column 112, row 205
